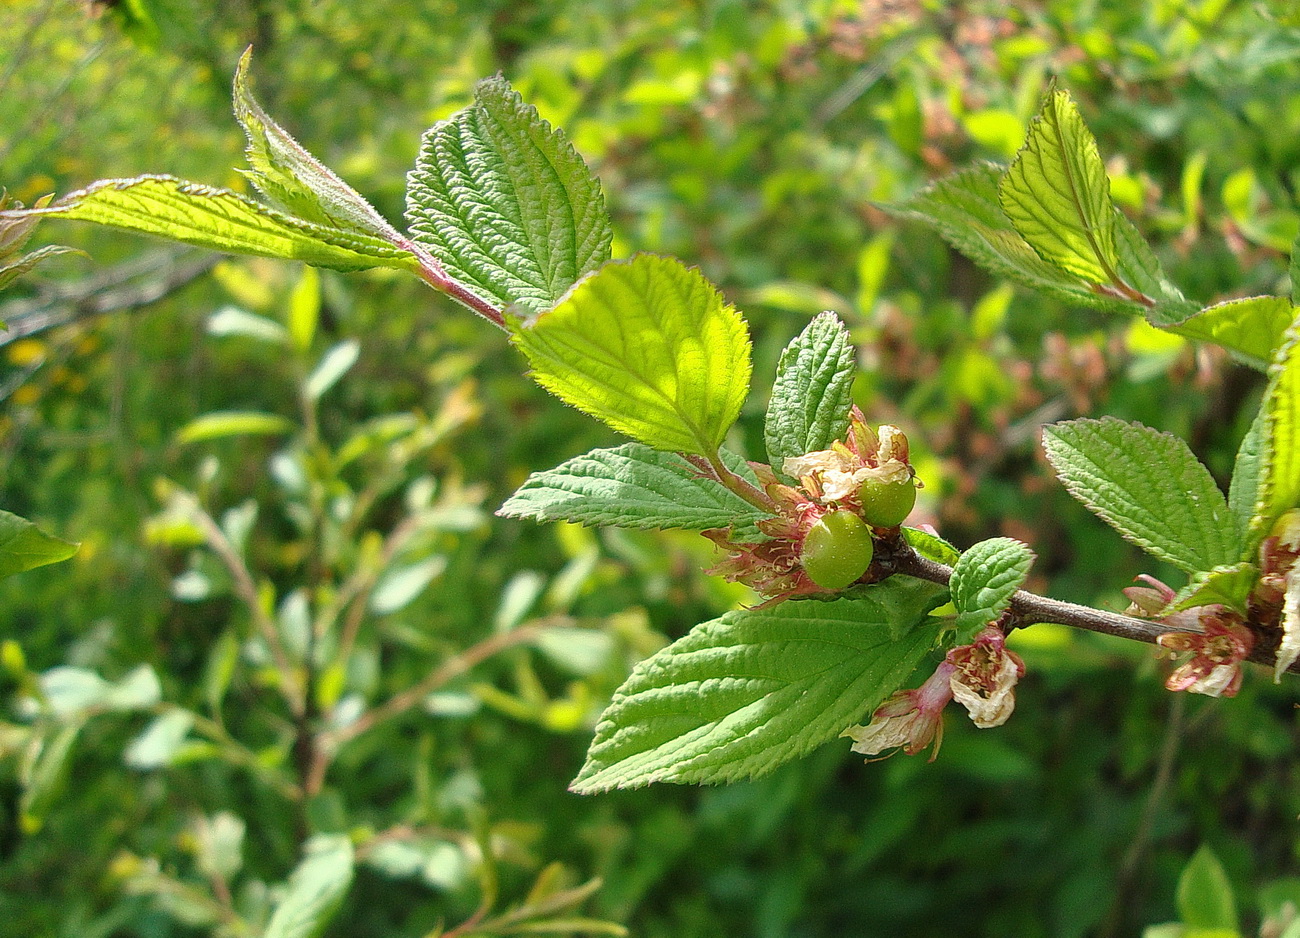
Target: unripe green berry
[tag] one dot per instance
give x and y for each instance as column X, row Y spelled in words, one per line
column 886, row 504
column 836, row 550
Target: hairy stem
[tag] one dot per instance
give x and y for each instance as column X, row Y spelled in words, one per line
column 1030, row 608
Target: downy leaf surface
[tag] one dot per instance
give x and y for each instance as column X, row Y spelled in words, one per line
column 631, row 486
column 811, row 397
column 984, row 579
column 742, row 694
column 1148, row 486
column 505, row 203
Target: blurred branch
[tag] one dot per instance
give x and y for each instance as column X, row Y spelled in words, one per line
column 132, row 284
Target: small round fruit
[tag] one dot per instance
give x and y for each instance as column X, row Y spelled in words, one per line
column 836, row 550
column 886, row 504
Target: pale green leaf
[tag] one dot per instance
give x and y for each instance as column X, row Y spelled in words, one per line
column 811, row 397
column 70, row 693
column 231, row 320
column 505, row 202
column 1148, row 486
column 225, row 423
column 222, row 220
column 650, row 347
column 43, row 774
column 400, row 586
column 333, row 365
column 1140, row 268
column 1204, row 895
column 1279, row 475
column 1057, row 195
column 316, row 890
column 304, row 309
column 160, row 741
column 1250, row 328
column 742, row 694
column 631, row 486
column 985, row 578
column 24, row 546
column 296, row 181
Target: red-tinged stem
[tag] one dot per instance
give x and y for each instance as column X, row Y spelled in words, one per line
column 432, row 273
column 1029, row 608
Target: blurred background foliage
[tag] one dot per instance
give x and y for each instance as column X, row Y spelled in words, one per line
column 753, row 139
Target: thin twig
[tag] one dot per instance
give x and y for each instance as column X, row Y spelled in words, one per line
column 246, row 589
column 1030, row 608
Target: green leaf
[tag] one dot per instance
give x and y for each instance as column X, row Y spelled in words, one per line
column 222, row 220
column 225, row 423
column 13, row 268
column 1243, row 490
column 631, row 486
column 1057, row 195
column 1250, row 328
column 1279, row 475
column 296, row 181
column 231, row 320
column 648, row 346
column 316, row 889
column 931, row 546
column 505, row 202
column 1204, row 895
column 24, row 546
column 742, row 694
column 964, row 209
column 985, row 578
column 1148, row 486
column 332, row 366
column 1229, row 585
column 160, row 742
column 811, row 397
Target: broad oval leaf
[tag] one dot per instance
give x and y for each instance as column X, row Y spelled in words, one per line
column 24, row 546
column 649, row 346
column 742, row 694
column 985, row 578
column 1149, row 487
column 631, row 486
column 812, row 394
column 1057, row 195
column 208, row 217
column 1205, row 897
column 505, row 202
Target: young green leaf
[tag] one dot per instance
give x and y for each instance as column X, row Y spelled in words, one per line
column 964, row 209
column 505, row 202
column 1229, row 585
column 1057, row 195
column 219, row 219
column 931, row 546
column 333, row 365
column 225, row 423
column 14, row 267
column 1250, row 328
column 984, row 579
column 811, row 397
column 742, row 694
column 316, row 889
column 1279, row 473
column 1205, row 898
column 24, row 546
column 1148, row 486
column 632, row 486
column 1243, row 490
column 648, row 346
column 296, row 181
